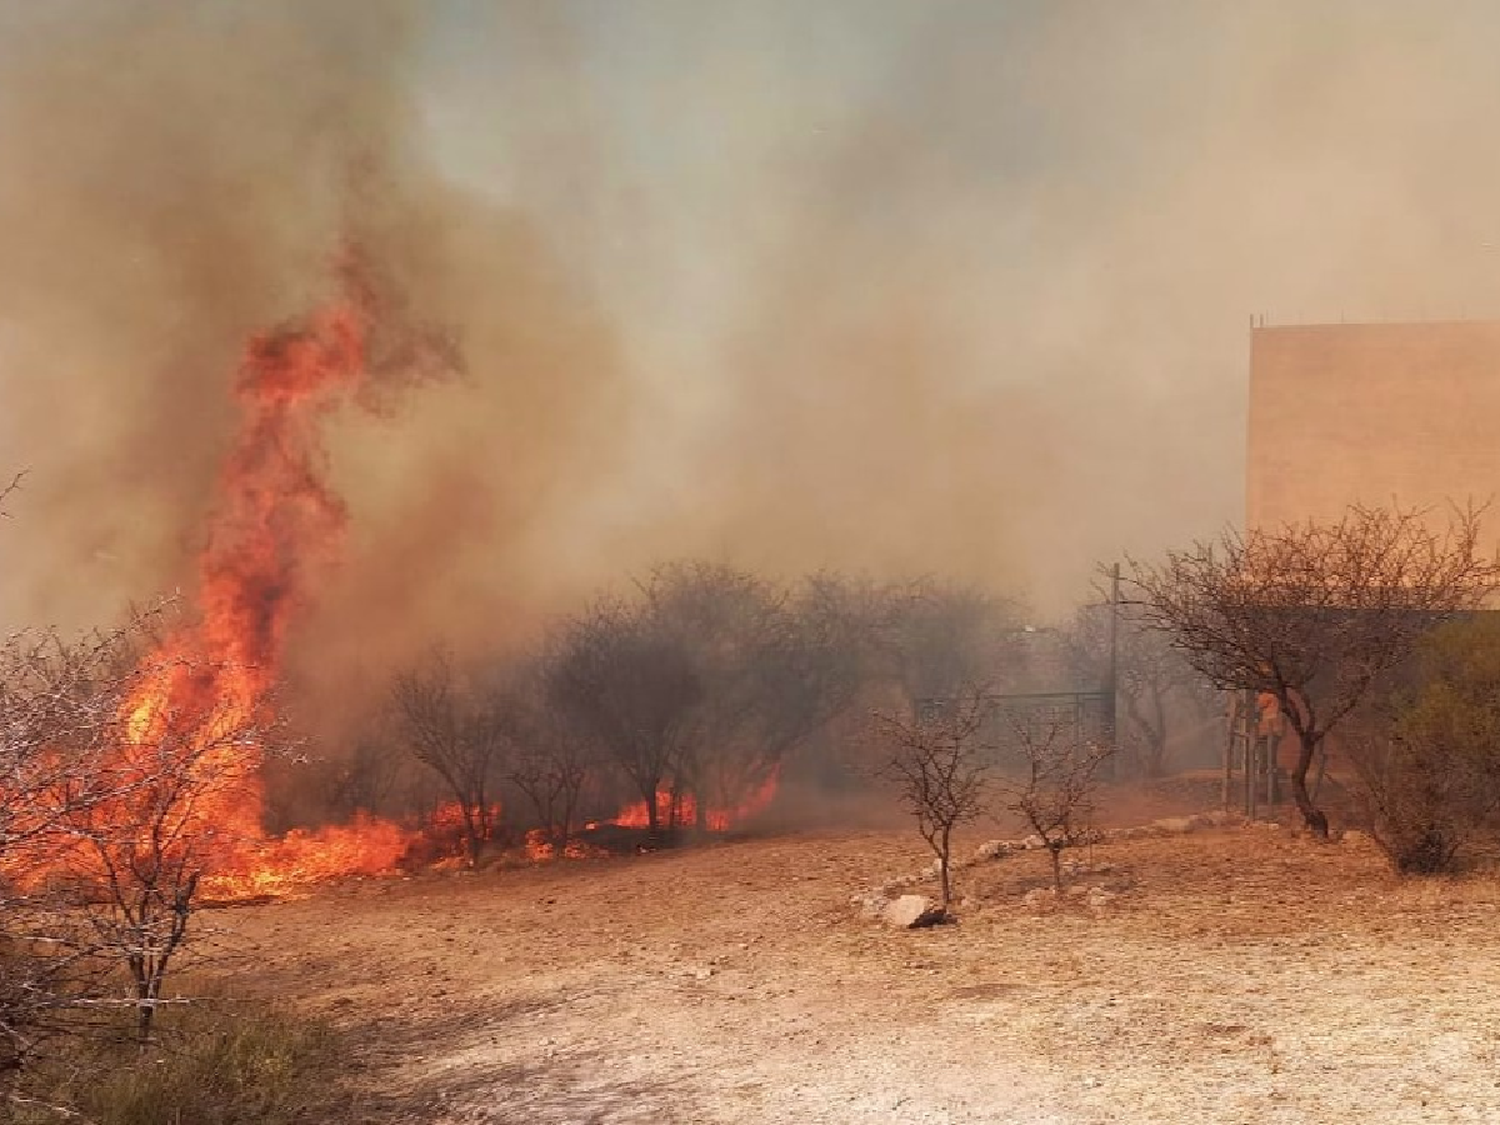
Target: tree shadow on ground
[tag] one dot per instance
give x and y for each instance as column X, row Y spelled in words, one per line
column 437, row 1070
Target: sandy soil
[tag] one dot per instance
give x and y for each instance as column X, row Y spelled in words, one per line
column 1240, row 976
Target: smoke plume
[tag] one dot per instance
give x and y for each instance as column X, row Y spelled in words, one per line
column 179, row 178
column 948, row 287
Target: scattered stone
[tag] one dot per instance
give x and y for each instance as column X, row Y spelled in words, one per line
column 1033, row 842
column 911, row 912
column 1354, row 838
column 871, row 906
column 993, row 849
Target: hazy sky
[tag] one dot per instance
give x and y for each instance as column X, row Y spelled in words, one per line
column 1088, row 200
column 883, row 285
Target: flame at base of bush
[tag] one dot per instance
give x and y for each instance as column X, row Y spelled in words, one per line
column 681, row 810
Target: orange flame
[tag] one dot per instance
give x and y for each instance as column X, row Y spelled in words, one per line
column 715, row 819
column 541, row 847
column 206, row 688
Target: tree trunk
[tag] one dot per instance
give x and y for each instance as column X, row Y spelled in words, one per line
column 1057, row 883
column 943, row 857
column 147, row 1006
column 473, row 832
column 653, row 822
column 1312, row 816
column 1158, row 736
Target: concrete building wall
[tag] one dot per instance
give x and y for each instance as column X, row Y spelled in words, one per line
column 1372, row 413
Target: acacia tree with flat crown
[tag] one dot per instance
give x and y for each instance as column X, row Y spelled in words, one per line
column 1315, row 613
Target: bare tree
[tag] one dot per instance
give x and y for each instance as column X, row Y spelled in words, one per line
column 8, row 489
column 115, row 787
column 459, row 734
column 729, row 624
column 376, row 776
column 630, row 686
column 937, row 637
column 1152, row 680
column 552, row 758
column 708, row 679
column 1314, row 613
column 1054, row 793
column 939, row 763
column 140, row 854
column 820, row 661
column 59, row 707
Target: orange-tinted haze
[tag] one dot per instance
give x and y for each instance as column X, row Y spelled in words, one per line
column 951, row 287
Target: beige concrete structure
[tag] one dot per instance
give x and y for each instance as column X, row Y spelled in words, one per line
column 1371, row 413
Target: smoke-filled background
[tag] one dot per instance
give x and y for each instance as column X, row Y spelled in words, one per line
column 874, row 285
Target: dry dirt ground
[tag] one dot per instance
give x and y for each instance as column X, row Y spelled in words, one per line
column 1242, row 975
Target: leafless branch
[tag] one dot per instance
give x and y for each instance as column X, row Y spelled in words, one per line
column 1314, row 613
column 940, row 766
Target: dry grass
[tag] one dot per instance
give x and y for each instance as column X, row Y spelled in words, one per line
column 1240, row 976
column 215, row 1062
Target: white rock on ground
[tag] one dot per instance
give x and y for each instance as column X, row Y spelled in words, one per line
column 911, row 911
column 993, row 849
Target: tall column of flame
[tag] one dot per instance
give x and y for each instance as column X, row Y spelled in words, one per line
column 205, row 689
column 276, row 520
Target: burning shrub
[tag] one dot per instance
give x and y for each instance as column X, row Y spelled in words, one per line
column 115, row 792
column 453, row 728
column 632, row 687
column 699, row 689
column 60, row 724
column 552, row 758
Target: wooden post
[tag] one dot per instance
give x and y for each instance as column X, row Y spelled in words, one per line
column 1231, row 732
column 1250, row 740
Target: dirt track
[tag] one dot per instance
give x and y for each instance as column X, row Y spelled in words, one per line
column 736, row 983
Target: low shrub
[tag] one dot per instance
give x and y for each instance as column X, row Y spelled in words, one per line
column 211, row 1062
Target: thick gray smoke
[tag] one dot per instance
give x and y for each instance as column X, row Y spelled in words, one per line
column 178, row 177
column 951, row 287
column 993, row 264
